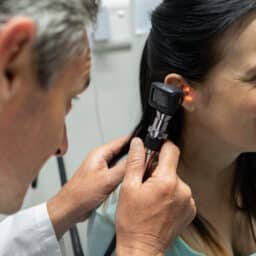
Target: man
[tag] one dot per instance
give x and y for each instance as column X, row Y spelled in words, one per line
column 44, row 64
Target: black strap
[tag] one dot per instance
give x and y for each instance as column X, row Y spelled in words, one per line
column 75, row 239
column 111, row 247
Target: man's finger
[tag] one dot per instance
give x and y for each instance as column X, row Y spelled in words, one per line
column 109, row 150
column 117, row 173
column 168, row 159
column 135, row 167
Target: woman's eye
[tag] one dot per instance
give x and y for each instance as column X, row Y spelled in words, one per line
column 251, row 79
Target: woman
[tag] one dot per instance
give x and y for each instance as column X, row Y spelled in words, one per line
column 208, row 48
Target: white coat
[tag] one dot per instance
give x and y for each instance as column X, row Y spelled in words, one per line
column 29, row 233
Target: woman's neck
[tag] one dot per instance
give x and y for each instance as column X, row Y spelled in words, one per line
column 206, row 162
column 207, row 165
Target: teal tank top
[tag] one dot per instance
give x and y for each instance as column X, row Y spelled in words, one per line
column 101, row 230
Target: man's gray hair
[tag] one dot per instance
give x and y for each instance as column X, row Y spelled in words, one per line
column 61, row 28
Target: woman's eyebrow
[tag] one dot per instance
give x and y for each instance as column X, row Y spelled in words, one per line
column 250, row 74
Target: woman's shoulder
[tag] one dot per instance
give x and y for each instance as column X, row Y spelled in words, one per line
column 101, row 226
column 180, row 247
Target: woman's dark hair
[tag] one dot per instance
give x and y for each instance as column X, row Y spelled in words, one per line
column 184, row 40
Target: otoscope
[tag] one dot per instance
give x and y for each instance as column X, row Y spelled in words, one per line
column 166, row 100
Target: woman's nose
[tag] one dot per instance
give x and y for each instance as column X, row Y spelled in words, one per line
column 62, row 150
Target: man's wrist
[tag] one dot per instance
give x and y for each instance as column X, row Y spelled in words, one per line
column 61, row 214
column 136, row 251
column 138, row 245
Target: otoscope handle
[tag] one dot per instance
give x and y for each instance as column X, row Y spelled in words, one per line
column 151, row 160
column 154, row 144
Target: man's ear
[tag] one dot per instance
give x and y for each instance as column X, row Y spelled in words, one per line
column 189, row 92
column 16, row 41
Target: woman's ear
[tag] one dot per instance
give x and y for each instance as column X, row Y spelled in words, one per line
column 189, row 92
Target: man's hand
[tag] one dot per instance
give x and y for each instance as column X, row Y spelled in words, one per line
column 88, row 188
column 151, row 214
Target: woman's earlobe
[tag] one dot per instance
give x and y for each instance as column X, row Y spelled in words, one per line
column 189, row 92
column 189, row 97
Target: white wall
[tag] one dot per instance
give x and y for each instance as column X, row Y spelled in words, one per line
column 108, row 109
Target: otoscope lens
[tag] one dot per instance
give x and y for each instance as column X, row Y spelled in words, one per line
column 160, row 98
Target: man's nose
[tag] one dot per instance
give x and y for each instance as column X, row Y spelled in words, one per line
column 62, row 150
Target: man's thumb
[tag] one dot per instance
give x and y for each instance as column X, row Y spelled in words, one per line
column 135, row 166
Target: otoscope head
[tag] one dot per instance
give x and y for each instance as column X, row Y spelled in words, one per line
column 165, row 98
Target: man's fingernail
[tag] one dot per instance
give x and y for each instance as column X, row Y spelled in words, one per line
column 135, row 143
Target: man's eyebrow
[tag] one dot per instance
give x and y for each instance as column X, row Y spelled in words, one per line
column 85, row 86
column 87, row 82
